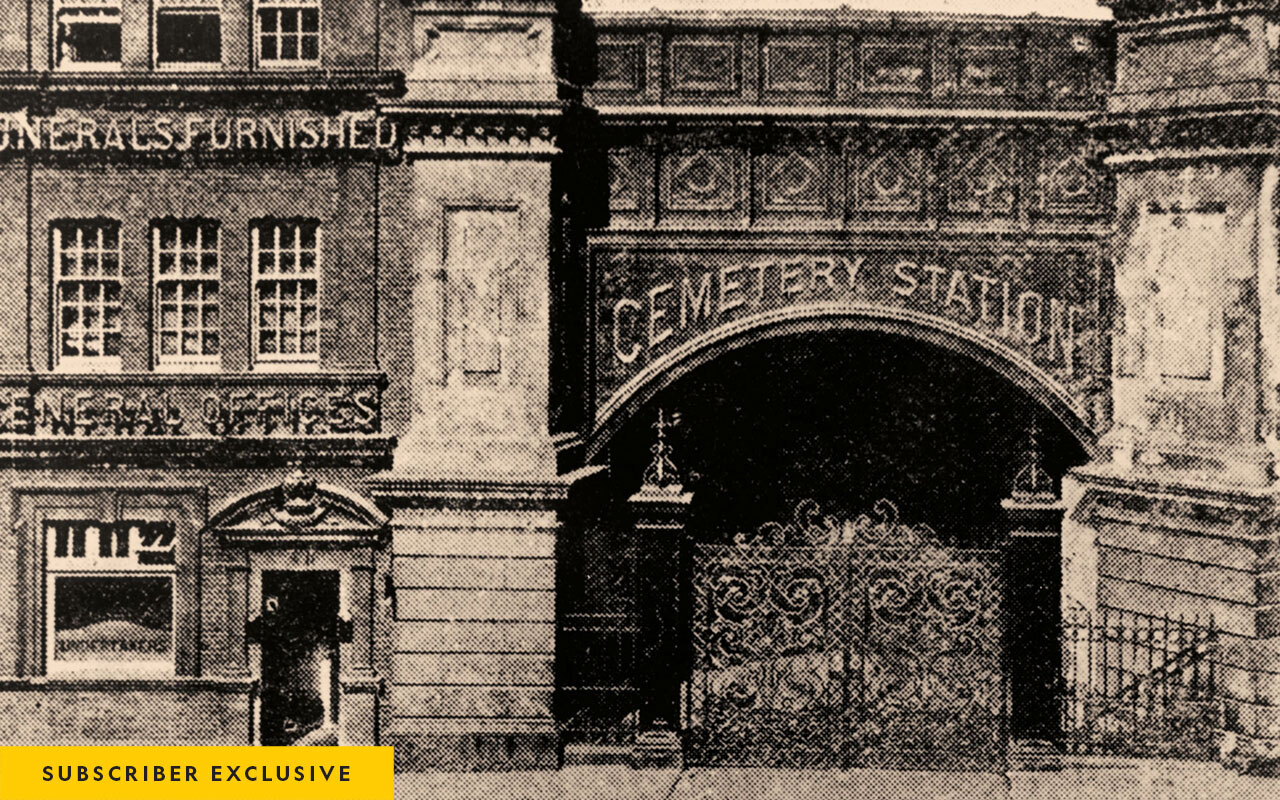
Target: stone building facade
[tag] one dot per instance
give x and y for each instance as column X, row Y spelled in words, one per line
column 336, row 331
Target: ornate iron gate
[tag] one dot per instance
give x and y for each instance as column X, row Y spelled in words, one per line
column 828, row 643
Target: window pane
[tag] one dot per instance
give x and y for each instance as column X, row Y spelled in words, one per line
column 270, row 48
column 188, row 37
column 89, row 36
column 112, row 619
column 288, row 20
column 310, row 48
column 267, row 20
column 310, row 20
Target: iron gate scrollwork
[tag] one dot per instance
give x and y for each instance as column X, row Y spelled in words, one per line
column 838, row 643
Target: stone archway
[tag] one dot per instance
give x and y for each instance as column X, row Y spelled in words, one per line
column 849, row 410
column 1047, row 389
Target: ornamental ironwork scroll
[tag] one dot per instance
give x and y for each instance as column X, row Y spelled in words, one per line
column 833, row 643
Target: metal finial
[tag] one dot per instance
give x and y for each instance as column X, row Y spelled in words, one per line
column 662, row 472
column 1033, row 481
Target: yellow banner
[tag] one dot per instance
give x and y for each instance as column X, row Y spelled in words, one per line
column 196, row 773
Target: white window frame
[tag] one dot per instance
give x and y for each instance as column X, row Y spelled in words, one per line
column 184, row 6
column 92, row 565
column 277, row 360
column 180, row 361
column 84, row 363
column 60, row 6
column 279, row 63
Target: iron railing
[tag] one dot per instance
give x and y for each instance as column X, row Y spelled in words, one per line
column 1139, row 685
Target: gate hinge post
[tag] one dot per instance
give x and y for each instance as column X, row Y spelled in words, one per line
column 659, row 514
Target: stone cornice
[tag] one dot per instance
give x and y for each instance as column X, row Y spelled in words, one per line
column 399, row 489
column 195, row 451
column 318, row 85
column 1143, row 11
column 826, row 18
column 1245, row 129
column 523, row 8
column 632, row 114
column 506, row 131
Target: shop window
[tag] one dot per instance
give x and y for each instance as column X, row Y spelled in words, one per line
column 288, row 33
column 110, row 597
column 86, row 263
column 188, row 33
column 87, row 34
column 286, row 258
column 187, row 275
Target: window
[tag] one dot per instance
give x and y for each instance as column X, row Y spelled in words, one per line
column 286, row 257
column 288, row 33
column 110, row 596
column 86, row 257
column 186, row 269
column 87, row 34
column 188, row 33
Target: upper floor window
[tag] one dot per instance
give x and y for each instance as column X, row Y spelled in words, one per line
column 188, row 33
column 187, row 276
column 86, row 257
column 288, row 33
column 87, row 34
column 286, row 276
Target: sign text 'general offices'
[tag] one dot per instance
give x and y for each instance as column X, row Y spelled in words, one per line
column 651, row 303
column 197, row 132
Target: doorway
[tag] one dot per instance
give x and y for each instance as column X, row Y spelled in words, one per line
column 299, row 656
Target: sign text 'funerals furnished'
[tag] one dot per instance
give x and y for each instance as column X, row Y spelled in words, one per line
column 197, row 132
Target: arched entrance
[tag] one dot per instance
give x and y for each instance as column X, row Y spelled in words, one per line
column 842, row 417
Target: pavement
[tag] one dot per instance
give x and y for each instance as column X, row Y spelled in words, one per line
column 1127, row 780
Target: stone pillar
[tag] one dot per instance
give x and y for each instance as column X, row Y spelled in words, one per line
column 361, row 688
column 1033, row 605
column 1033, row 518
column 1179, row 514
column 660, row 513
column 474, row 490
column 660, row 510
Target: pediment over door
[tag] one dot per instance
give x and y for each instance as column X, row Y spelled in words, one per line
column 299, row 512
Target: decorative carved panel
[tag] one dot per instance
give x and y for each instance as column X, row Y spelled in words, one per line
column 894, row 65
column 1184, row 334
column 890, row 177
column 479, row 278
column 796, row 180
column 620, row 64
column 797, row 64
column 702, row 180
column 478, row 49
column 625, row 182
column 1068, row 184
column 988, row 68
column 984, row 175
column 704, row 66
